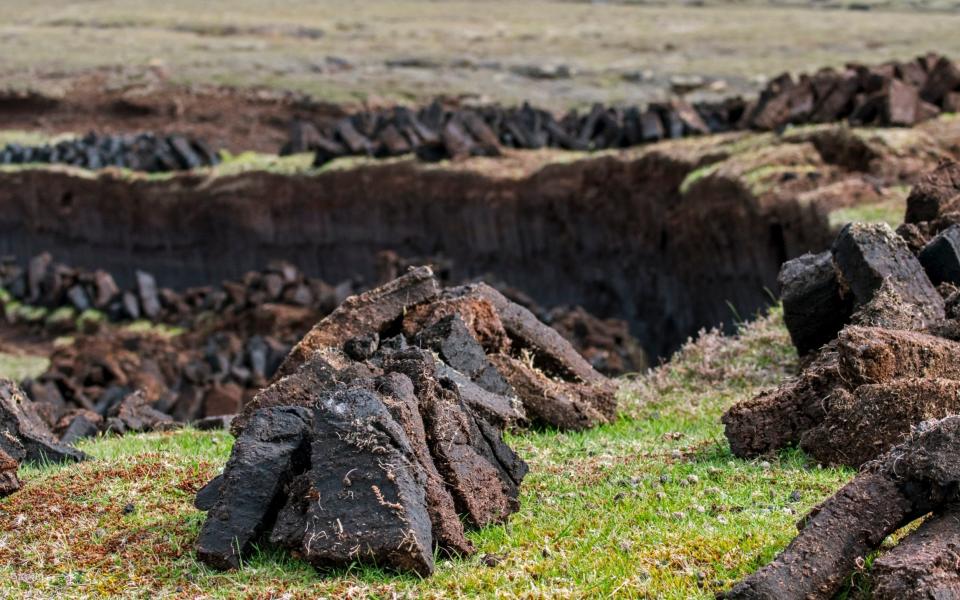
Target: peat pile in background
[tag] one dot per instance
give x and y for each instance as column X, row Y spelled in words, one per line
column 890, row 94
column 139, row 152
column 235, row 336
column 66, row 293
column 917, row 477
column 278, row 301
column 133, row 381
column 607, row 344
column 390, row 411
column 878, row 338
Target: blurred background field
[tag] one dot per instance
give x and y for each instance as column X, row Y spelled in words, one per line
column 554, row 54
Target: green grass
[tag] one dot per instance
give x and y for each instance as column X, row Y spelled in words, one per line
column 890, row 211
column 696, row 175
column 26, row 138
column 653, row 505
column 765, row 178
column 159, row 329
column 20, row 366
column 234, row 164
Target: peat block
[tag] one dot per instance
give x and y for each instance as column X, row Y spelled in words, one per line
column 935, row 194
column 941, row 256
column 376, row 470
column 404, row 391
column 9, row 483
column 924, row 564
column 869, row 254
column 815, row 307
column 23, row 434
column 865, row 383
column 913, row 478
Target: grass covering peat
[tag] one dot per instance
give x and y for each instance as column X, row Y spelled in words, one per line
column 653, row 505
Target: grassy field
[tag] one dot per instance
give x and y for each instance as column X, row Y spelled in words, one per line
column 21, row 365
column 888, row 211
column 553, row 53
column 651, row 506
column 831, row 5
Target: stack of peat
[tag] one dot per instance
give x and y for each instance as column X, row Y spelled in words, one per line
column 52, row 285
column 385, row 422
column 607, row 344
column 894, row 93
column 237, row 334
column 919, row 477
column 124, row 382
column 25, row 438
column 879, row 345
column 139, row 152
column 890, row 94
column 436, row 132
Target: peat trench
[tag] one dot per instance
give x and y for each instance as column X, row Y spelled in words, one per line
column 618, row 236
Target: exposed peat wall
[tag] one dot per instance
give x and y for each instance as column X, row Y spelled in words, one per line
column 614, row 234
